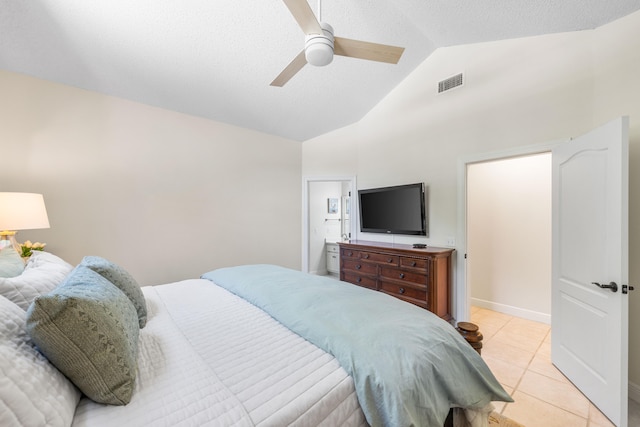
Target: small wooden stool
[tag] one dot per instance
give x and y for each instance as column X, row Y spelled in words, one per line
column 470, row 332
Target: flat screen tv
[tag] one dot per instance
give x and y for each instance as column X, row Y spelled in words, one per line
column 393, row 210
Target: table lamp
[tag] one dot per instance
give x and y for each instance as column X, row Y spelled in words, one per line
column 20, row 211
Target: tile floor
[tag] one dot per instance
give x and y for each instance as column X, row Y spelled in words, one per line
column 518, row 352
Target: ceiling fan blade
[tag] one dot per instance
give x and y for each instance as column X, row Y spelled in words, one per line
column 302, row 13
column 290, row 70
column 367, row 50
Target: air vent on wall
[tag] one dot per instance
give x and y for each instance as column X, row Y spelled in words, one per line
column 450, row 83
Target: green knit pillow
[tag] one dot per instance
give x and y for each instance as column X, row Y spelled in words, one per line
column 123, row 280
column 88, row 329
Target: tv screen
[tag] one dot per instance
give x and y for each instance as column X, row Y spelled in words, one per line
column 393, row 210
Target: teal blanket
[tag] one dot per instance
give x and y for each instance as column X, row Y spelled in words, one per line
column 409, row 366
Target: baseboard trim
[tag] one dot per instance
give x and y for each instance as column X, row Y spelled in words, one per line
column 634, row 392
column 513, row 311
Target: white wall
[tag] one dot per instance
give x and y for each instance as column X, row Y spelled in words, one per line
column 516, row 93
column 509, row 235
column 167, row 196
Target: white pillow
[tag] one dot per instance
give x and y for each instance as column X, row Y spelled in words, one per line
column 32, row 391
column 43, row 272
column 11, row 263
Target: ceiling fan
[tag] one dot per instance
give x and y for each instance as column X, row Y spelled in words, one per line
column 321, row 45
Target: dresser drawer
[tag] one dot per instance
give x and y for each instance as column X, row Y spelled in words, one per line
column 380, row 258
column 421, row 264
column 403, row 275
column 349, row 253
column 359, row 266
column 363, row 281
column 405, row 291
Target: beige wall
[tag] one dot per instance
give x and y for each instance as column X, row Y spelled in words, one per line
column 517, row 93
column 167, row 196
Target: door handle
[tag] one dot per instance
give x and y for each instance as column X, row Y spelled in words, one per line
column 612, row 285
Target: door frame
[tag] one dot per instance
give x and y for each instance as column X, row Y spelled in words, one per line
column 461, row 294
column 354, row 211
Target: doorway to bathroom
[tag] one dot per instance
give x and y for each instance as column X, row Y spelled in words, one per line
column 329, row 216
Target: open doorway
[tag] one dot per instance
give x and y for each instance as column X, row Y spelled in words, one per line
column 462, row 289
column 329, row 216
column 509, row 235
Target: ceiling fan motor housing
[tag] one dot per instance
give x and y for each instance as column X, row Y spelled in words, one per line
column 318, row 48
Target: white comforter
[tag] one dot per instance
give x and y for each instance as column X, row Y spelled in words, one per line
column 207, row 357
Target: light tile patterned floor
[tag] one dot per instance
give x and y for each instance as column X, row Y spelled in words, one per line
column 518, row 351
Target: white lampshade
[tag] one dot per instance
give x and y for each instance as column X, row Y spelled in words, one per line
column 22, row 211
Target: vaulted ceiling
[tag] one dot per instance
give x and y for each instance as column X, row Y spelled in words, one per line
column 216, row 58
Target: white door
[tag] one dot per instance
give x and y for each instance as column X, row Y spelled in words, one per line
column 590, row 254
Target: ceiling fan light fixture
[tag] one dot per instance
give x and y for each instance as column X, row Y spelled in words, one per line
column 320, row 44
column 318, row 48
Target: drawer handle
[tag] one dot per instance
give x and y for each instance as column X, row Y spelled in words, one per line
column 413, row 264
column 402, row 275
column 402, row 290
column 390, row 260
column 358, row 267
column 350, row 253
column 359, row 279
column 365, row 256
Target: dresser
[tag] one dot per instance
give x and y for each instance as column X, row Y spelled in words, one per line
column 420, row 276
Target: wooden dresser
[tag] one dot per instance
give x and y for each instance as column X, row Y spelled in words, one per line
column 419, row 276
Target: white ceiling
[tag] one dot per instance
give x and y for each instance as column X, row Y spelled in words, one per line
column 216, row 58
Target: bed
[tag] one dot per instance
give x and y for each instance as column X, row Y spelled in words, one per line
column 255, row 345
